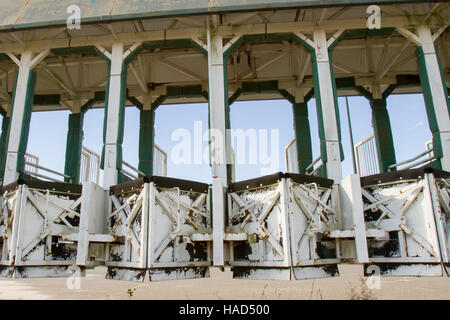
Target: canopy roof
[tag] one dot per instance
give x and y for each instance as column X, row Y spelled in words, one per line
column 25, row 14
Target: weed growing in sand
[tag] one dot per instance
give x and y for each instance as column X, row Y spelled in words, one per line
column 130, row 292
column 362, row 292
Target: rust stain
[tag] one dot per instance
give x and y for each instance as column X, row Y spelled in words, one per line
column 22, row 11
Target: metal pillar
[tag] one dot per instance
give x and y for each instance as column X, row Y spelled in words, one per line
column 327, row 108
column 114, row 117
column 20, row 119
column 3, row 144
column 218, row 134
column 74, row 144
column 146, row 141
column 435, row 95
column 383, row 134
column 302, row 133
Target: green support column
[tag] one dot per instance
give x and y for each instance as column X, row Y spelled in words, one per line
column 302, row 135
column 73, row 148
column 3, row 145
column 426, row 79
column 383, row 134
column 146, row 141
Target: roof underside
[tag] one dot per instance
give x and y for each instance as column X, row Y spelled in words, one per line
column 24, row 14
column 73, row 70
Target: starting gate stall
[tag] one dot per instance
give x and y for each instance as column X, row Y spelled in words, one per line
column 283, row 221
column 405, row 206
column 439, row 182
column 127, row 222
column 160, row 224
column 314, row 216
column 257, row 212
column 35, row 217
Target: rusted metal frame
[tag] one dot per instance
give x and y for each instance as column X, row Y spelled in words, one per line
column 120, row 209
column 312, row 216
column 266, row 210
column 383, row 208
column 243, row 208
column 444, row 198
column 11, row 226
column 418, row 238
column 193, row 209
column 320, row 202
column 66, row 211
column 46, row 232
column 126, row 217
column 163, row 245
column 265, row 234
column 384, row 200
column 132, row 216
column 310, row 233
column 160, row 200
column 403, row 228
column 380, row 203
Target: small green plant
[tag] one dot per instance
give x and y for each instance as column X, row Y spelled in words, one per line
column 130, row 292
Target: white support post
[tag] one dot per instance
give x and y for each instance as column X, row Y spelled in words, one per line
column 353, row 215
column 218, row 133
column 330, row 128
column 439, row 100
column 218, row 222
column 113, row 120
column 217, row 106
column 17, row 118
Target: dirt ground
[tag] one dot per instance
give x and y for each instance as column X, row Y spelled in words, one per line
column 220, row 285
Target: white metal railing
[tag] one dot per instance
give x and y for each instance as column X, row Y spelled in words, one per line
column 429, row 146
column 30, row 158
column 366, row 157
column 90, row 166
column 410, row 162
column 159, row 165
column 34, row 172
column 314, row 171
column 135, row 171
column 290, row 153
column 159, row 162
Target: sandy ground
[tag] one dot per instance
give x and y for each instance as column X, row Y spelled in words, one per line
column 221, row 286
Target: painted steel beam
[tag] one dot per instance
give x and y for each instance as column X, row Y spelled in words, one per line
column 20, row 119
column 435, row 95
column 73, row 147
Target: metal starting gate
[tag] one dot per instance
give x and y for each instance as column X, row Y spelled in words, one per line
column 162, row 225
column 286, row 221
column 35, row 218
column 281, row 226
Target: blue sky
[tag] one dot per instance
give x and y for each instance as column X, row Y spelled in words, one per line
column 48, row 131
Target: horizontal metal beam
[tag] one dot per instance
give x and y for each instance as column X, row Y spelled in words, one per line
column 189, row 33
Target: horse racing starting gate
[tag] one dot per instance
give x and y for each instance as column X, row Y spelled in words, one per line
column 281, row 226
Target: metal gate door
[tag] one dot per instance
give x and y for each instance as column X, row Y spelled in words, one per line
column 46, row 213
column 313, row 216
column 9, row 222
column 439, row 183
column 400, row 203
column 258, row 209
column 127, row 222
column 179, row 237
